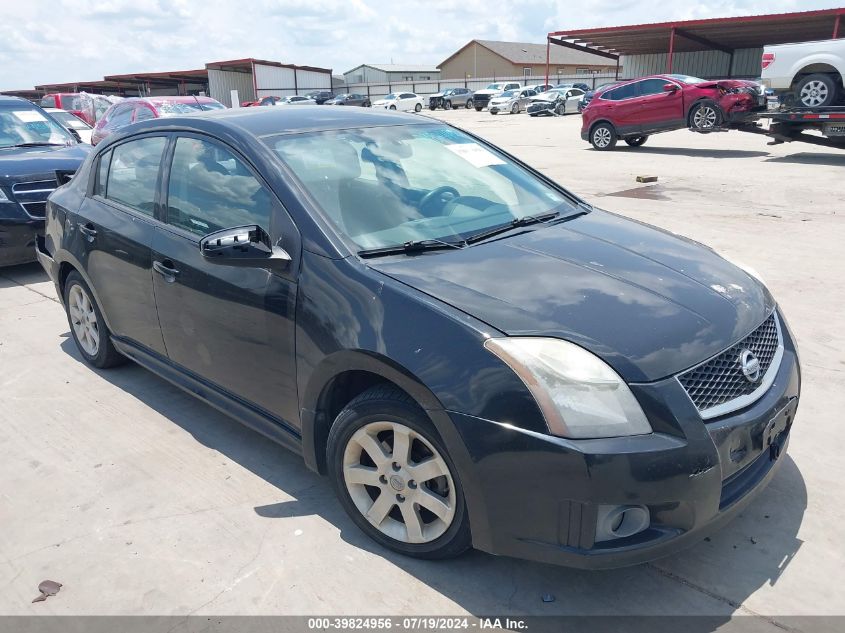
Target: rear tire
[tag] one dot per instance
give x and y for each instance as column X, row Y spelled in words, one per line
column 603, row 137
column 705, row 116
column 477, row 109
column 816, row 91
column 636, row 141
column 362, row 465
column 515, row 108
column 417, row 108
column 87, row 326
column 447, row 105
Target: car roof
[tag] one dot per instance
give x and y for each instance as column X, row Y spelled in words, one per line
column 271, row 121
column 9, row 100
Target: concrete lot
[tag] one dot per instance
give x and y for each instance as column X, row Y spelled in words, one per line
column 139, row 499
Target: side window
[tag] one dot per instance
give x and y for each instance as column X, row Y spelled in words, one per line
column 133, row 173
column 121, row 117
column 575, row 92
column 406, row 95
column 652, row 86
column 102, row 174
column 143, row 113
column 622, row 92
column 211, row 189
column 48, row 102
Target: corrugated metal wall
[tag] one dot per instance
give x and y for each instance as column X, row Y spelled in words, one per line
column 222, row 82
column 706, row 64
column 275, row 80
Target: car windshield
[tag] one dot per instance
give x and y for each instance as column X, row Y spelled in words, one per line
column 69, row 120
column 23, row 125
column 510, row 93
column 174, row 108
column 386, row 186
column 495, row 86
column 688, row 79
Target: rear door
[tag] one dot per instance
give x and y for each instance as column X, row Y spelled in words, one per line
column 233, row 327
column 113, row 233
column 622, row 107
column 660, row 109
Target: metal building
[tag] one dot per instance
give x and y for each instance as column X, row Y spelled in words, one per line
column 257, row 78
column 710, row 48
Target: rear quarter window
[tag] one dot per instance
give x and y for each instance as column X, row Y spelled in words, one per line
column 133, row 173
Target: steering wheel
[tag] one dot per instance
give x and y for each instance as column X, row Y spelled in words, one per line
column 439, row 194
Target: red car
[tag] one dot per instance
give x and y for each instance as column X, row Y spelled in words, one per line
column 142, row 108
column 72, row 102
column 633, row 110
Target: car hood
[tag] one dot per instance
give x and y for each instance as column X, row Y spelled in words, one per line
column 547, row 100
column 436, row 94
column 728, row 83
column 648, row 302
column 502, row 99
column 487, row 91
column 36, row 163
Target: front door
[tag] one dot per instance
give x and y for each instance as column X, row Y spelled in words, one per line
column 660, row 109
column 231, row 326
column 116, row 226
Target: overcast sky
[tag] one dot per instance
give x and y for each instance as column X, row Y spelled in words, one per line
column 50, row 41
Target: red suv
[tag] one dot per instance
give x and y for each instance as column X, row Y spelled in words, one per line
column 142, row 108
column 73, row 102
column 634, row 109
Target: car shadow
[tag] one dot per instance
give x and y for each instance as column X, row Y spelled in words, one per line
column 22, row 274
column 807, row 158
column 691, row 152
column 703, row 580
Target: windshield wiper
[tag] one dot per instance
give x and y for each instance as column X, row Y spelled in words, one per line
column 36, row 144
column 527, row 220
column 409, row 248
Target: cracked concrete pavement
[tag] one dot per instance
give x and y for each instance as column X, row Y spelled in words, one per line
column 141, row 500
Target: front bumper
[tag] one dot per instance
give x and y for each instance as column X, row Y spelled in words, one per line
column 17, row 240
column 540, row 494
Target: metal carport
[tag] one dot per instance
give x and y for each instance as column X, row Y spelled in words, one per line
column 727, row 38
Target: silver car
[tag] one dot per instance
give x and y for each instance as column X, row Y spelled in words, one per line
column 513, row 101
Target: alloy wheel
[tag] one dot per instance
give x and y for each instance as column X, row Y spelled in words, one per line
column 399, row 482
column 84, row 320
column 601, row 137
column 814, row 93
column 705, row 118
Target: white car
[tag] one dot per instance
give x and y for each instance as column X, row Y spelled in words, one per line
column 482, row 97
column 808, row 74
column 403, row 101
column 291, row 100
column 513, row 101
column 71, row 122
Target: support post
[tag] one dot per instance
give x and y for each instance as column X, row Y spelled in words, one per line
column 617, row 69
column 548, row 46
column 836, row 25
column 671, row 50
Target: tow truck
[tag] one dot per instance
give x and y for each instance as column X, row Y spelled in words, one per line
column 792, row 124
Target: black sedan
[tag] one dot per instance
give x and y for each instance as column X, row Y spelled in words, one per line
column 350, row 99
column 37, row 154
column 473, row 354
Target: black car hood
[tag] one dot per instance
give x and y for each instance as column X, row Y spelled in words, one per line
column 648, row 302
column 35, row 163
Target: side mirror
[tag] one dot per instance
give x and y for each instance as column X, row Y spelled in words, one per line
column 74, row 134
column 669, row 87
column 245, row 246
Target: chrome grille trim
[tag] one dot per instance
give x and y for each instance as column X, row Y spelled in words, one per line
column 705, row 398
column 32, row 196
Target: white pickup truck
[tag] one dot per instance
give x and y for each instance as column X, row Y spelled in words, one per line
column 809, row 74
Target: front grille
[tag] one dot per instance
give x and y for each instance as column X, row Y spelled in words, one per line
column 718, row 382
column 32, row 196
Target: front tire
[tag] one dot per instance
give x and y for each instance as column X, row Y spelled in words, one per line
column 636, row 141
column 469, row 104
column 394, row 478
column 705, row 116
column 393, row 107
column 603, row 137
column 87, row 326
column 477, row 109
column 816, row 91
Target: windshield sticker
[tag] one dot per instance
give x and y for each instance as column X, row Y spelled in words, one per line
column 28, row 116
column 475, row 155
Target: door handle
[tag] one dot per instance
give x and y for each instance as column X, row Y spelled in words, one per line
column 88, row 231
column 166, row 270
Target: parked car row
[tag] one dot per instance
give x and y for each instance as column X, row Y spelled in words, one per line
column 137, row 109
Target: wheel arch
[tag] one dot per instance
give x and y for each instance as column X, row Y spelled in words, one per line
column 598, row 121
column 818, row 67
column 340, row 378
column 67, row 265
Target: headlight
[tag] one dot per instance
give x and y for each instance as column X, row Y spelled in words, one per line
column 579, row 394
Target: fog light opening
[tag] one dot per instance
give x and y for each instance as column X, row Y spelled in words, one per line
column 614, row 522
